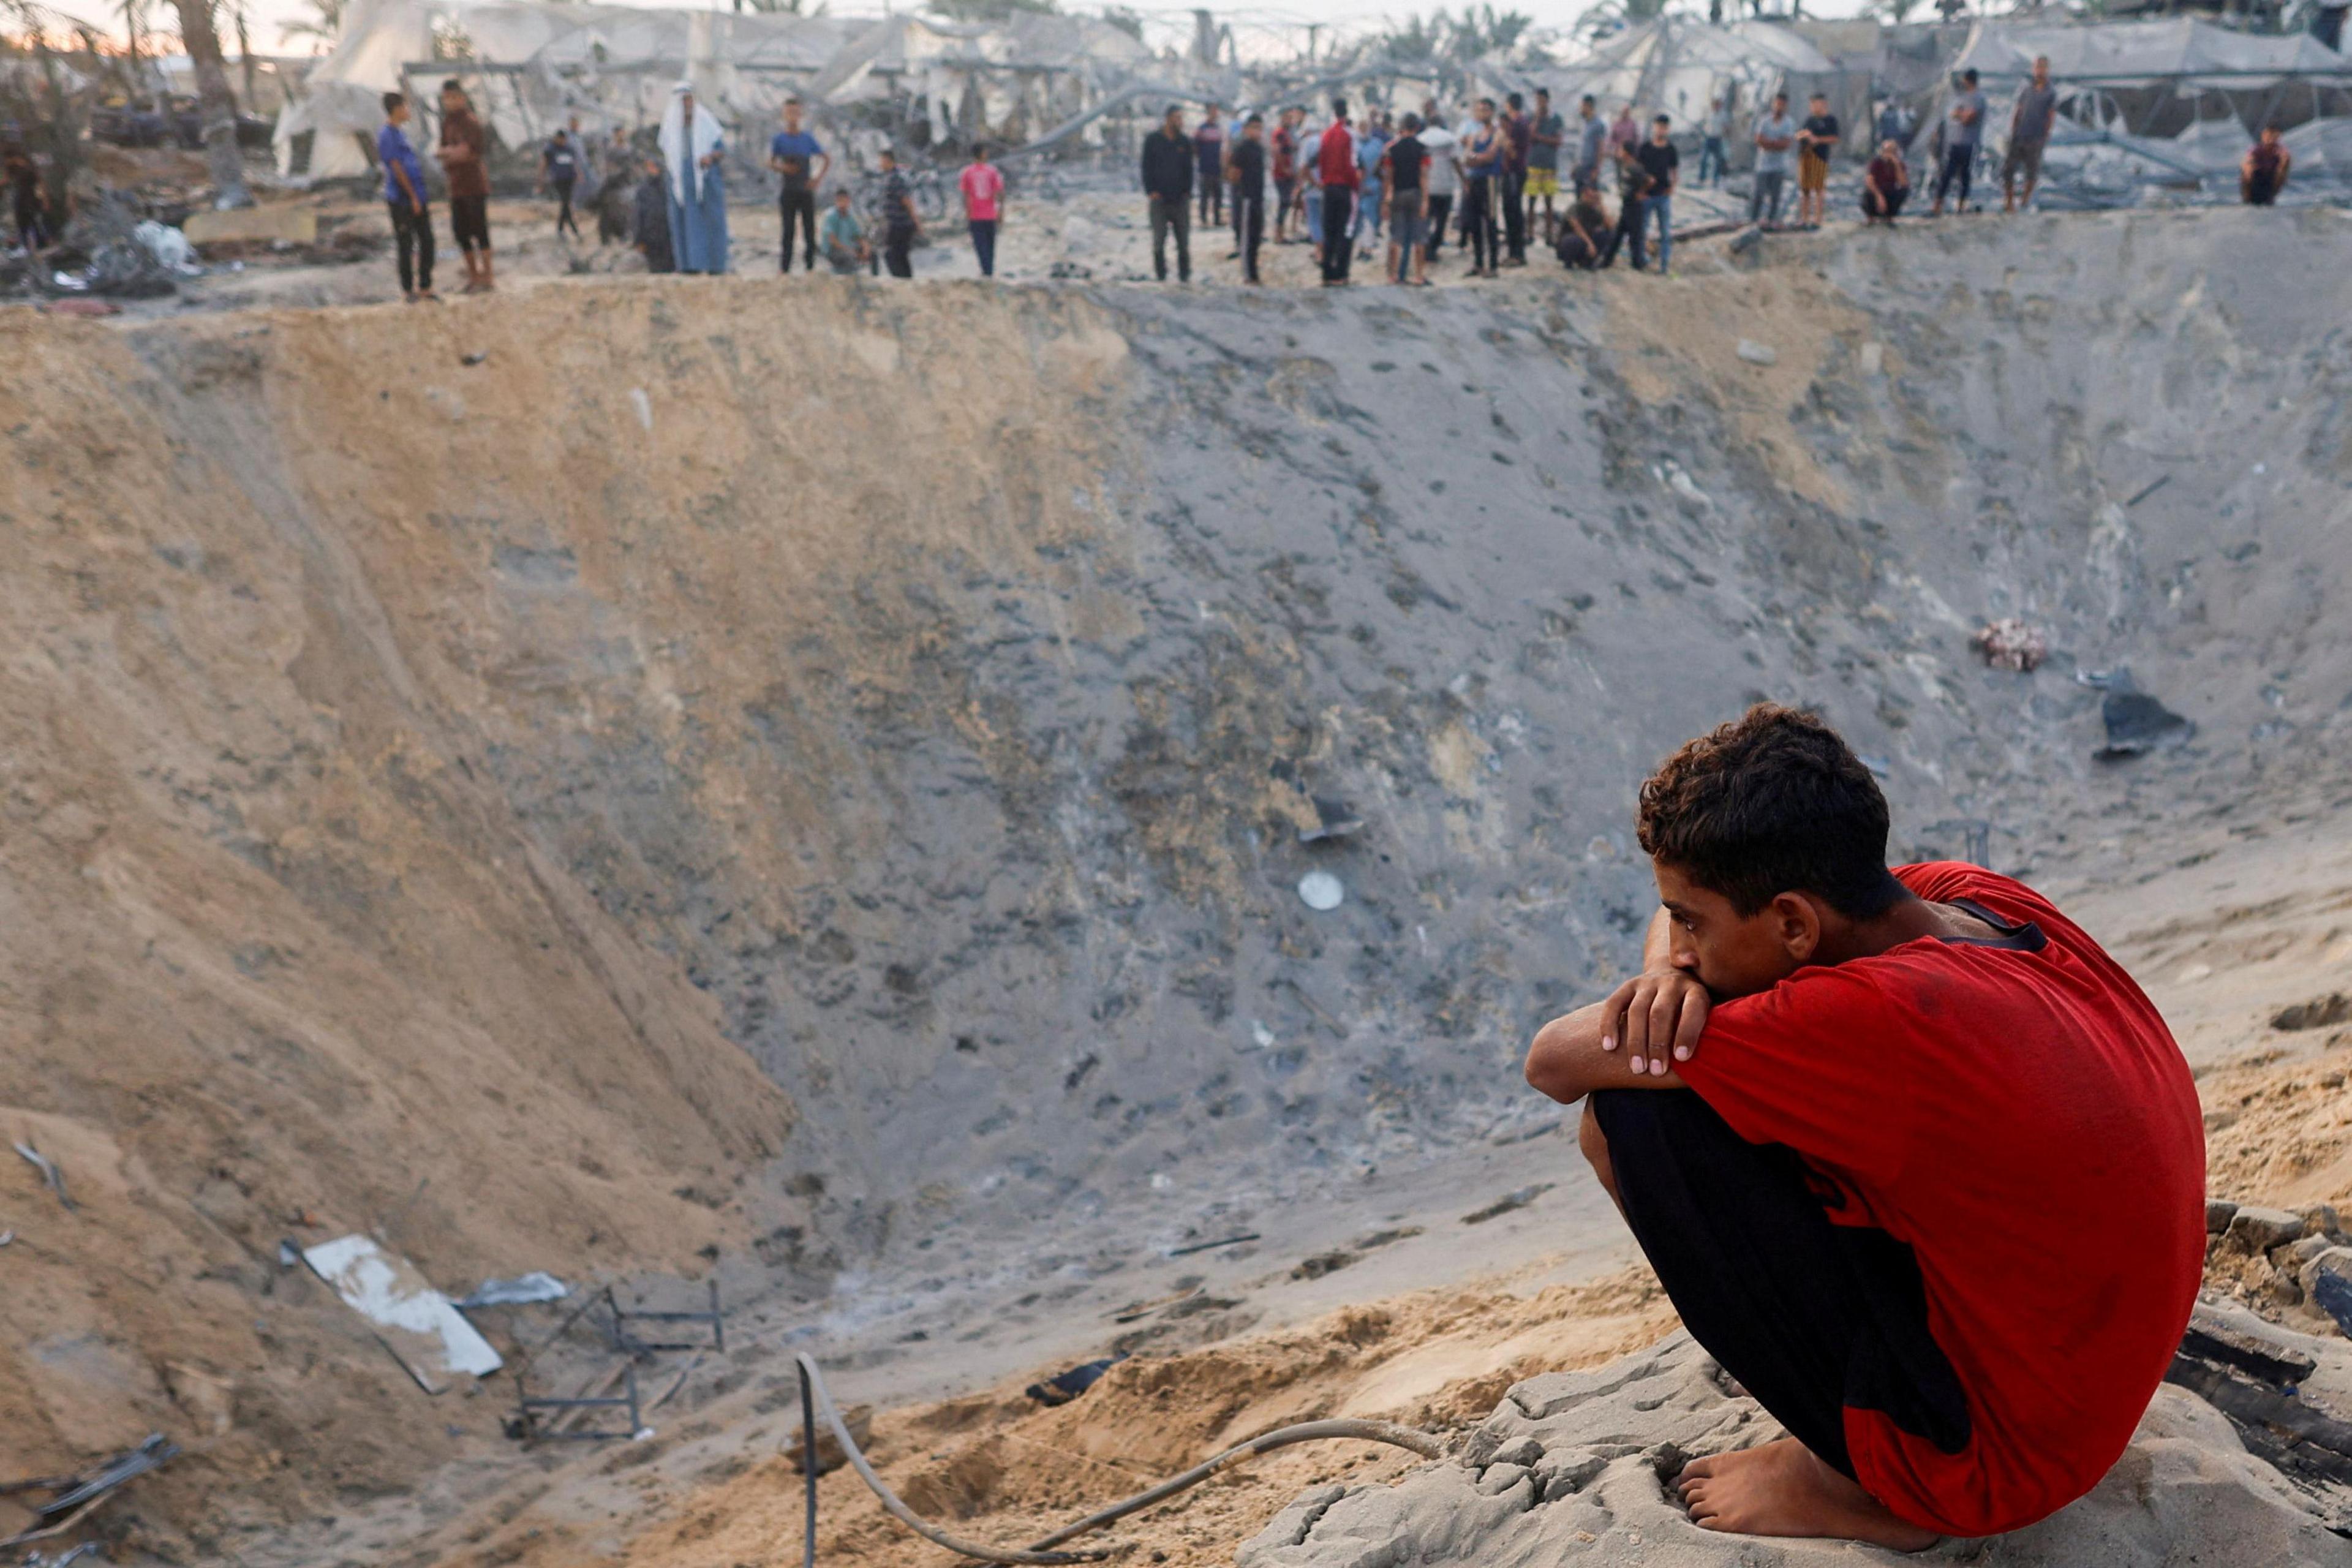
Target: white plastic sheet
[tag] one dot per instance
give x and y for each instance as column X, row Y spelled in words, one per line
column 429, row 1337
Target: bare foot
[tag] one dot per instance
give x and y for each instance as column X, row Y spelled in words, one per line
column 1782, row 1489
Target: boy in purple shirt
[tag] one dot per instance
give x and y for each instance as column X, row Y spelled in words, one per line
column 404, row 194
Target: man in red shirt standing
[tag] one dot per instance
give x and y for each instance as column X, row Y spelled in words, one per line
column 1336, row 171
column 982, row 184
column 1835, row 1107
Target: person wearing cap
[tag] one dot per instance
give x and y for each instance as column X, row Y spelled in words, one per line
column 801, row 163
column 1167, row 163
column 1963, row 135
column 693, row 146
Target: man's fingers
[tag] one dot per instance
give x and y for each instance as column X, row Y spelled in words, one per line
column 1666, row 1006
column 1635, row 1030
column 1692, row 1024
column 1613, row 1015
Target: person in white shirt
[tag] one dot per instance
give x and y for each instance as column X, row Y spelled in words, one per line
column 1444, row 177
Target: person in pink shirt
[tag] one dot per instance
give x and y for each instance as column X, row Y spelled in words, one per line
column 983, row 204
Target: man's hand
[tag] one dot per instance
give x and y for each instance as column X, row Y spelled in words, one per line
column 1656, row 1013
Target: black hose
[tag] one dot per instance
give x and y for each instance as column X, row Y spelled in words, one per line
column 815, row 1397
column 808, row 1412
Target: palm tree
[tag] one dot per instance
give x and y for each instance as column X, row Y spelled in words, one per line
column 323, row 27
column 217, row 103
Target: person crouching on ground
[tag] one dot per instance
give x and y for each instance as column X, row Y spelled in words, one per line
column 842, row 238
column 2262, row 174
column 1587, row 240
column 1886, row 184
column 1836, row 1108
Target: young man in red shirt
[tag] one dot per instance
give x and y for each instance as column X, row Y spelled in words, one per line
column 1836, row 1108
column 1336, row 172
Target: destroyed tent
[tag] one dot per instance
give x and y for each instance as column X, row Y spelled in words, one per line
column 2171, row 104
column 1676, row 66
column 2160, row 79
column 529, row 64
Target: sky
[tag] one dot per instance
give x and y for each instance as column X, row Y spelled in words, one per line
column 266, row 17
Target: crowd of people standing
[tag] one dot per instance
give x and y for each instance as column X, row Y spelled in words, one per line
column 1501, row 178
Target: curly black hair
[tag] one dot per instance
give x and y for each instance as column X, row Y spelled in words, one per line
column 1772, row 802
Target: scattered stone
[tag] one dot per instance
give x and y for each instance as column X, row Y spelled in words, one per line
column 2138, row 723
column 1754, row 353
column 1500, row 1478
column 1506, row 1202
column 2326, row 1281
column 2217, row 1214
column 1321, row 891
column 2189, row 1489
column 2317, row 1014
column 2260, row 1229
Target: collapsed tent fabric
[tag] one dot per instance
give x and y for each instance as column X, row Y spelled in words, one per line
column 2144, row 54
column 1678, row 66
column 529, row 62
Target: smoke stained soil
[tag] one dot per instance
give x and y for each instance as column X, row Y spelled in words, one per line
column 812, row 773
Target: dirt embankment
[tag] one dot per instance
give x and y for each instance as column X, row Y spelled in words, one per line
column 458, row 763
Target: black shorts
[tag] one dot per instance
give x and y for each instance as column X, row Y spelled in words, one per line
column 1812, row 1317
column 469, row 222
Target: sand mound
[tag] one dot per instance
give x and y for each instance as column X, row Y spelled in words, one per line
column 815, row 772
column 1572, row 1467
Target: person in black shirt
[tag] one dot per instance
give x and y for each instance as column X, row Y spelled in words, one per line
column 1663, row 167
column 1404, row 171
column 28, row 199
column 559, row 172
column 649, row 220
column 900, row 226
column 1245, row 163
column 1817, row 138
column 1168, row 160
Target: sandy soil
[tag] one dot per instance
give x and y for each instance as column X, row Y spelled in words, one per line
column 995, row 1467
column 461, row 763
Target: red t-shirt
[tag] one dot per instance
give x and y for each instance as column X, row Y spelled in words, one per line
column 1971, row 1098
column 1335, row 161
column 981, row 185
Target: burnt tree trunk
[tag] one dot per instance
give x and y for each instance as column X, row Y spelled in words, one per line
column 217, row 104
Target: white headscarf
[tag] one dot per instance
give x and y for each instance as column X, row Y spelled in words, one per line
column 683, row 147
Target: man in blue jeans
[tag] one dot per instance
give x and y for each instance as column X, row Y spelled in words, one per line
column 1663, row 165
